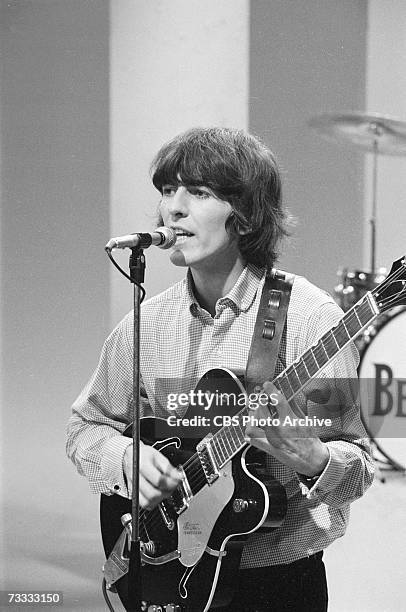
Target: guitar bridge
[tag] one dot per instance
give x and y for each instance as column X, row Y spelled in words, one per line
column 207, row 460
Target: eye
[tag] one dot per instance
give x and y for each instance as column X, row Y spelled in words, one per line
column 200, row 192
column 169, row 190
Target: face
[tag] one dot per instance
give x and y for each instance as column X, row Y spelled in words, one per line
column 198, row 218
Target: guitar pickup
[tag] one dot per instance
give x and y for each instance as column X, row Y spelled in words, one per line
column 207, row 460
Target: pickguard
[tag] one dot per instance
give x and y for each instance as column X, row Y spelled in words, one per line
column 196, row 523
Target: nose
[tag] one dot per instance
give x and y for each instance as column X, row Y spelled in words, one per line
column 177, row 205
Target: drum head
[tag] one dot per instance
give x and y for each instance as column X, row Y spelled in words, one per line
column 382, row 374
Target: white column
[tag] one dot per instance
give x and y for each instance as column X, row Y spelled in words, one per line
column 175, row 64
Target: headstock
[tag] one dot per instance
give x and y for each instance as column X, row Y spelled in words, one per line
column 392, row 291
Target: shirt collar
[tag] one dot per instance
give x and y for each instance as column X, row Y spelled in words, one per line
column 241, row 295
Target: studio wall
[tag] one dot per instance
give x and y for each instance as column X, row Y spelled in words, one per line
column 55, row 280
column 308, row 58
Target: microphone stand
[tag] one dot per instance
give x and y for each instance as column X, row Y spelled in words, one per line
column 137, row 274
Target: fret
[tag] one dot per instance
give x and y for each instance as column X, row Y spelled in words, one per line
column 224, row 448
column 241, row 434
column 365, row 313
column 358, row 319
column 233, row 438
column 284, row 385
column 221, row 450
column 293, row 379
column 320, row 354
column 226, row 441
column 330, row 344
column 310, row 363
column 346, row 334
column 341, row 335
column 352, row 323
column 301, row 372
column 216, row 454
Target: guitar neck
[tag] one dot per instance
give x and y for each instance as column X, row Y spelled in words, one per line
column 298, row 374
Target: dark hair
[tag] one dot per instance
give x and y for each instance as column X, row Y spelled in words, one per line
column 239, row 169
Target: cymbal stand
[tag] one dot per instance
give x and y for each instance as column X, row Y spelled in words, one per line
column 377, row 130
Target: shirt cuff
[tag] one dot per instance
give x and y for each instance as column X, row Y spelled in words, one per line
column 112, row 464
column 328, row 480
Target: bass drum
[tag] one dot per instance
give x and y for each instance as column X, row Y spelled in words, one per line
column 382, row 374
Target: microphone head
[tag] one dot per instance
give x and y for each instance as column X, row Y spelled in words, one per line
column 168, row 237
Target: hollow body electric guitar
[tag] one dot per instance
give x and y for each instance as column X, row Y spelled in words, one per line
column 192, row 542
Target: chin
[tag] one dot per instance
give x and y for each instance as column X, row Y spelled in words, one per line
column 177, row 257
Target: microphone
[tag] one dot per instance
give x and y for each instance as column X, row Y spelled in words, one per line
column 162, row 237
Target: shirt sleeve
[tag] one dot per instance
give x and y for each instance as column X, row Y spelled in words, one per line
column 350, row 468
column 101, row 414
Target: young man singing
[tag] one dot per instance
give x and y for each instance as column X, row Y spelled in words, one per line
column 221, row 193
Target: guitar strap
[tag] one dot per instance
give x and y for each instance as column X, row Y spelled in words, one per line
column 268, row 329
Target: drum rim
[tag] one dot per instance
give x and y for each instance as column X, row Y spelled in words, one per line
column 379, row 326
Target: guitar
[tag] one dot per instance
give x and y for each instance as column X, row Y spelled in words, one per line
column 191, row 543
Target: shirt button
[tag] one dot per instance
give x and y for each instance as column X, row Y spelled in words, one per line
column 116, row 487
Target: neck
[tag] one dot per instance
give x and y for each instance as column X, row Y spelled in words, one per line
column 210, row 286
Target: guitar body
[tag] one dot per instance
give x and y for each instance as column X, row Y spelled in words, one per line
column 191, row 554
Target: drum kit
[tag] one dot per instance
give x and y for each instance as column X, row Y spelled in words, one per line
column 382, row 369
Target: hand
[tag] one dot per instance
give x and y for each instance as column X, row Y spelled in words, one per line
column 294, row 445
column 158, row 477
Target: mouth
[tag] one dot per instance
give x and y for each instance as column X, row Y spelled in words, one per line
column 182, row 235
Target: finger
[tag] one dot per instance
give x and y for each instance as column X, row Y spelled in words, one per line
column 158, row 480
column 151, row 495
column 253, row 433
column 275, row 396
column 266, row 411
column 261, row 443
column 143, row 501
column 171, row 474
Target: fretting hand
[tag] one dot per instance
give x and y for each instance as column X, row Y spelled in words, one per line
column 292, row 444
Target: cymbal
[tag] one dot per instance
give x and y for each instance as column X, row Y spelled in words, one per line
column 372, row 133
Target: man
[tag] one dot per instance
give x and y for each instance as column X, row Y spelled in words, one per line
column 221, row 193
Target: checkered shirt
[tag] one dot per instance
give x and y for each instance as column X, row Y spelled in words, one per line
column 180, row 341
